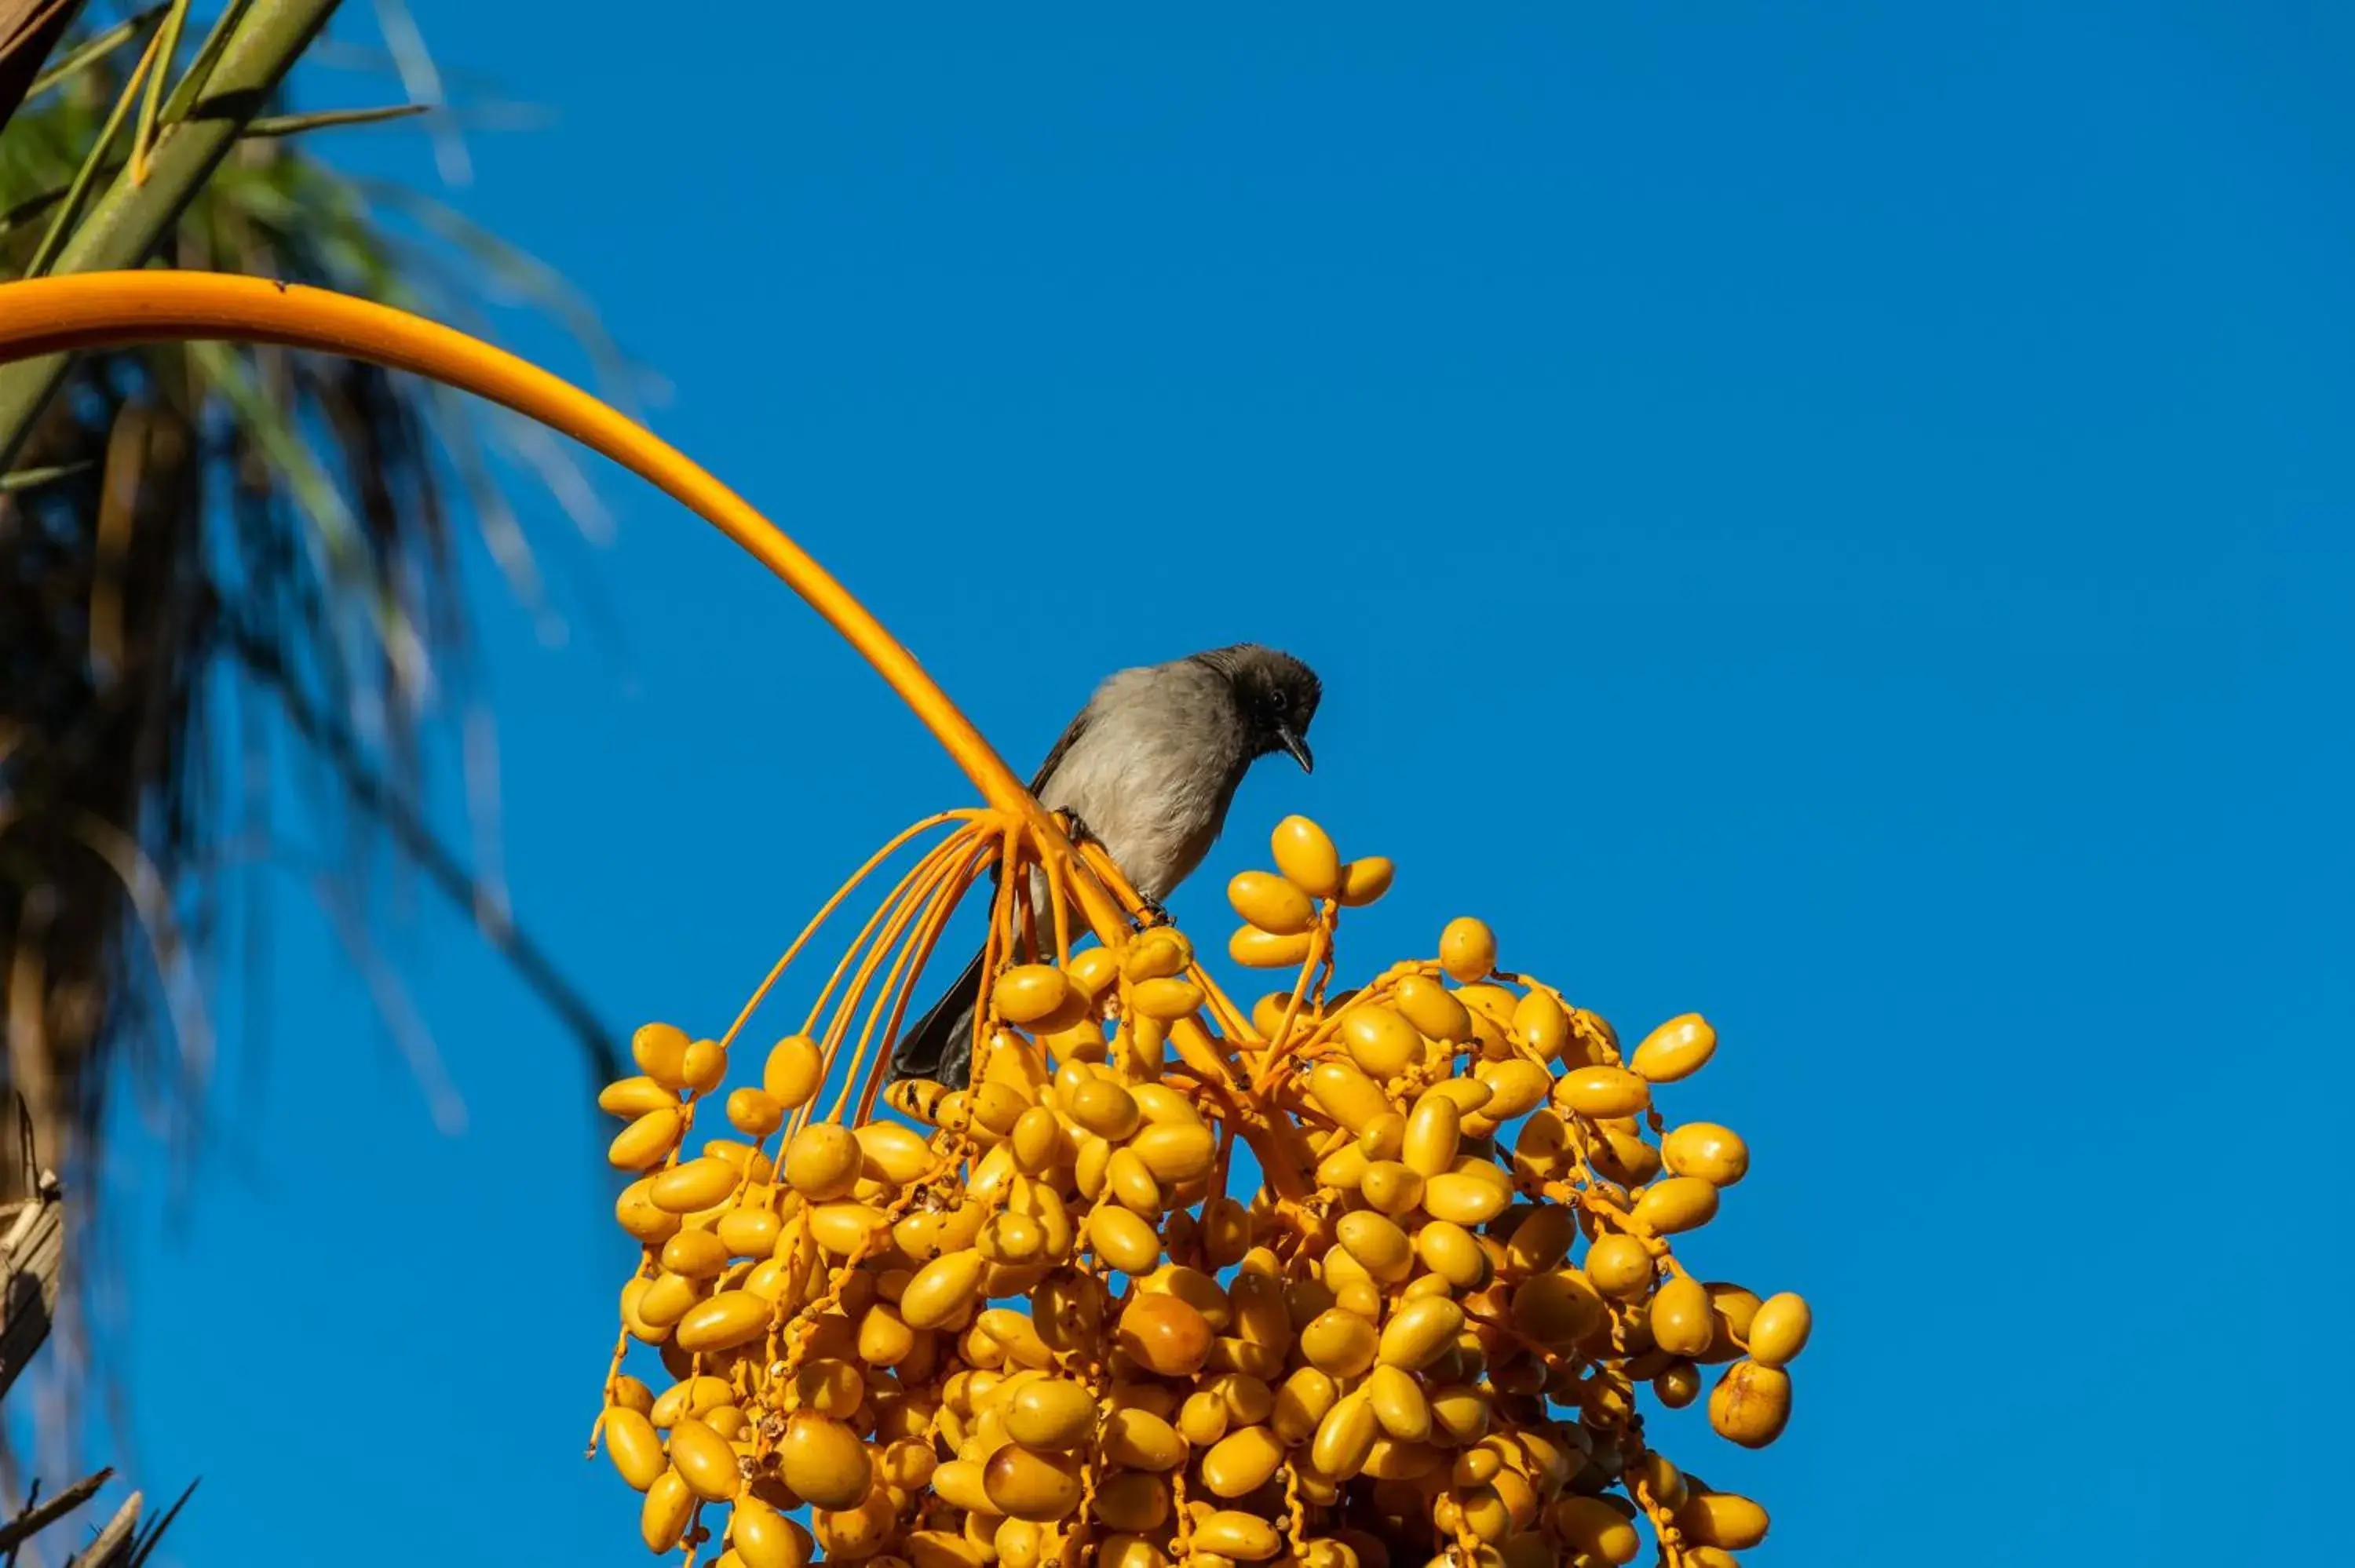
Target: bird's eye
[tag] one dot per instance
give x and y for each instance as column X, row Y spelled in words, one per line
column 1279, row 701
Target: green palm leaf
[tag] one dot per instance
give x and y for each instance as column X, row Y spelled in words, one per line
column 175, row 513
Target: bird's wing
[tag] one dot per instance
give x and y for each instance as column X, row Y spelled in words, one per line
column 1071, row 733
column 939, row 1045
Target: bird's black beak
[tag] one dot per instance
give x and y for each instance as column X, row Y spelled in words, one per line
column 1292, row 742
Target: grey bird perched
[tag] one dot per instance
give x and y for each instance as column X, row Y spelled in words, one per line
column 1147, row 770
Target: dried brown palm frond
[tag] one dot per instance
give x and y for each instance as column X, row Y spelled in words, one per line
column 211, row 555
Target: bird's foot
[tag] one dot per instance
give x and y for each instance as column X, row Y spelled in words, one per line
column 1149, row 911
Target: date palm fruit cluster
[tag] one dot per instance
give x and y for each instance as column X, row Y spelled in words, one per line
column 1045, row 1316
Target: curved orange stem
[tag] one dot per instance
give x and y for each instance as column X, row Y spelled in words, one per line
column 96, row 310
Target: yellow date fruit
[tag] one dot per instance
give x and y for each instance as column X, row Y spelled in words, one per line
column 1619, row 1265
column 763, row 1538
column 703, row 1461
column 1557, row 1308
column 647, row 1142
column 1599, row 1091
column 635, row 1212
column 696, row 1185
column 1256, row 950
column 1675, row 1204
column 1123, row 1240
column 1024, row 1483
column 1133, row 1502
column 1347, row 1094
column 749, row 1232
column 726, row 1320
column 1468, row 950
column 633, row 1447
column 1103, row 1107
column 959, row 1483
column 1418, row 1332
column 704, row 1066
column 1376, row 1241
column 1751, row 1404
column 1176, row 1151
column 1241, row 1461
column 1051, row 1414
column 1398, row 1402
column 1464, row 1199
column 1365, row 879
column 1676, row 1049
column 1272, row 902
column 1390, row 1188
column 1164, row 1334
column 1340, row 1344
column 1136, row 1438
column 1244, row 1537
column 823, row 1161
column 1380, row 1040
column 1026, row 993
column 1541, row 1024
column 794, row 1072
column 1727, row 1521
column 1677, row 1385
column 1432, row 1009
column 660, row 1051
column 1453, row 1253
column 1515, row 1085
column 631, row 1098
column 1130, row 1549
column 1167, row 1000
column 755, row 1112
column 1683, row 1321
column 661, row 1520
column 1434, row 1133
column 942, row 1289
column 698, row 1255
column 1779, row 1329
column 823, row 1460
column 1302, row 1402
column 1715, row 1154
column 1345, row 1437
column 1304, row 854
column 1158, row 952
column 1596, row 1528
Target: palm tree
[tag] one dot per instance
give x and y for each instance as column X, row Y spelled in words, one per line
column 204, row 546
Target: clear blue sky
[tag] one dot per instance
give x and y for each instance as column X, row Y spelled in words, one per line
column 1836, row 516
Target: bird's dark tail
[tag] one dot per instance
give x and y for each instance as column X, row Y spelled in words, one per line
column 939, row 1045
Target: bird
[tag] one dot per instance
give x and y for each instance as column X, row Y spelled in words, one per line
column 1147, row 770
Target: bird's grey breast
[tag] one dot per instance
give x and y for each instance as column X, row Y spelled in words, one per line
column 1153, row 770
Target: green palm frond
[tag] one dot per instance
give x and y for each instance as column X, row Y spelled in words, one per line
column 182, row 513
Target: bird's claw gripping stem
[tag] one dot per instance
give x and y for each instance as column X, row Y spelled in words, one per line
column 1149, row 911
column 1077, row 831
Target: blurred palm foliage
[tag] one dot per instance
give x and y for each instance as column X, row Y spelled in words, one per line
column 223, row 566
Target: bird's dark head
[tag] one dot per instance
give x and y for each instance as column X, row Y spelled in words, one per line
column 1276, row 694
